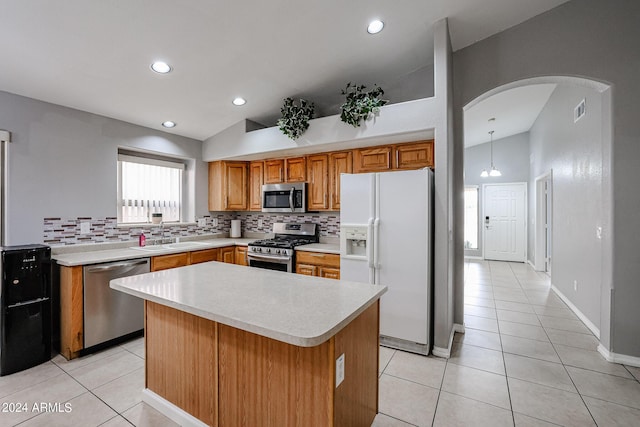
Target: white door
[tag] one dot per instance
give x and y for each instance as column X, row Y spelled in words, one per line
column 504, row 221
column 402, row 254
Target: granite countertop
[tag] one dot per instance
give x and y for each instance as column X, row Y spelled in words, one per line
column 99, row 256
column 297, row 309
column 330, row 248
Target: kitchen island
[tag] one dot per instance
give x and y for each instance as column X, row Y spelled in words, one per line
column 228, row 345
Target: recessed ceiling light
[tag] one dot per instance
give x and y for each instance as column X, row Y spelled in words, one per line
column 169, row 124
column 375, row 26
column 161, row 67
column 239, row 101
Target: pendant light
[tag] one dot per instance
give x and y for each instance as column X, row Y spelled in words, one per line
column 494, row 171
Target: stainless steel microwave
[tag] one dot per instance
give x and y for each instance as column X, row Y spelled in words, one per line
column 290, row 197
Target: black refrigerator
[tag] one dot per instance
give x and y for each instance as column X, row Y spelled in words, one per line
column 25, row 302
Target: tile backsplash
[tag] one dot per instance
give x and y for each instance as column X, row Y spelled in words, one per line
column 68, row 231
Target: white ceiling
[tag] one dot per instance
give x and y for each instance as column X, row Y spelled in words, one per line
column 94, row 55
column 515, row 111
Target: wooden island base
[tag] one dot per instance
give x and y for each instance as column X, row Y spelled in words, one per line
column 225, row 376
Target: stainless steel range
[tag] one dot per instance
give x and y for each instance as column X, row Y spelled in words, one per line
column 278, row 253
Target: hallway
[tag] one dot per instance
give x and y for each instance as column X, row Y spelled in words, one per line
column 525, row 359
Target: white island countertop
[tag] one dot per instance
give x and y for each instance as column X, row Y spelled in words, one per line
column 301, row 310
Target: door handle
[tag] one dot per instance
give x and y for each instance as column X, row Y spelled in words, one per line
column 291, row 199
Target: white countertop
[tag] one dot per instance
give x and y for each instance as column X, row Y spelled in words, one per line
column 95, row 257
column 293, row 308
column 329, row 248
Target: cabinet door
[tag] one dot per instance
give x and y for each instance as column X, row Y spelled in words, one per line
column 414, row 156
column 318, row 188
column 227, row 186
column 375, row 159
column 306, row 269
column 236, row 177
column 164, row 262
column 295, row 169
column 204, row 255
column 273, row 171
column 329, row 272
column 338, row 163
column 227, row 254
column 240, row 257
column 256, row 177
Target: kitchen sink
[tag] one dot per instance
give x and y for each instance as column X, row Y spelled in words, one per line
column 180, row 245
column 185, row 245
column 154, row 248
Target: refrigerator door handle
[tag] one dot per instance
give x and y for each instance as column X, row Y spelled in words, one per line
column 376, row 243
column 370, row 242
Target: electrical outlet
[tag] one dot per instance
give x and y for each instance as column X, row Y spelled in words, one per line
column 575, row 286
column 202, row 222
column 85, row 227
column 214, row 222
column 339, row 370
column 260, row 223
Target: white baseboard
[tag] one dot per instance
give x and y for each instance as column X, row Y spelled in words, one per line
column 618, row 358
column 446, row 352
column 593, row 328
column 170, row 410
column 532, row 265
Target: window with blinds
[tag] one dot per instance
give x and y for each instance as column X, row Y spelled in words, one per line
column 149, row 185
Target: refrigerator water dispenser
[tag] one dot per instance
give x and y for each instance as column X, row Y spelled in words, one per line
column 354, row 241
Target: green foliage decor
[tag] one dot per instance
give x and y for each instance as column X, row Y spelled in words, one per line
column 360, row 104
column 295, row 118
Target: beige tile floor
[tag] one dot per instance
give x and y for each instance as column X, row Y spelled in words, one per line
column 525, row 360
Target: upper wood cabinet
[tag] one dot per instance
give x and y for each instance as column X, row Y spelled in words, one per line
column 256, row 178
column 274, row 171
column 295, row 169
column 318, row 186
column 414, row 156
column 374, row 159
column 227, row 186
column 393, row 157
column 339, row 163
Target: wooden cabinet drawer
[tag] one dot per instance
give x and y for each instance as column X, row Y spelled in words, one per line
column 329, row 272
column 163, row 262
column 318, row 258
column 204, row 255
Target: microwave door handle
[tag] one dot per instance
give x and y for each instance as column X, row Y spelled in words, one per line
column 291, row 199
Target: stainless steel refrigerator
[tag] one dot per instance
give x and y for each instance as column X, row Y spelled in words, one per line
column 386, row 238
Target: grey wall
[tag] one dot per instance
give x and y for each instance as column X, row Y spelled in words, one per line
column 573, row 152
column 601, row 41
column 63, row 163
column 510, row 156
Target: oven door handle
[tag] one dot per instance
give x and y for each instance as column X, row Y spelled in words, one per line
column 275, row 259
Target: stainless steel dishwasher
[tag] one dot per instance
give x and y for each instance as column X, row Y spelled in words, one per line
column 110, row 314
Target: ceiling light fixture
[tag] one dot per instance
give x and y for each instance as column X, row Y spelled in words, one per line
column 239, row 101
column 169, row 124
column 161, row 67
column 375, row 26
column 494, row 171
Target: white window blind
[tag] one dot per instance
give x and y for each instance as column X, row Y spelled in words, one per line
column 147, row 186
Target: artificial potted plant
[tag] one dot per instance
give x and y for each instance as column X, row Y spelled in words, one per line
column 360, row 103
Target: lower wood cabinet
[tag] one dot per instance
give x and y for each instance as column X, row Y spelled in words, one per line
column 318, row 264
column 227, row 254
column 241, row 255
column 204, row 255
column 163, row 262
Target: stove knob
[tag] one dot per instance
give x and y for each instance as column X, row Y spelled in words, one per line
column 268, row 250
column 257, row 249
column 277, row 251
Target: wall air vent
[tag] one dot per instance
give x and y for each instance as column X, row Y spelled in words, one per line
column 579, row 111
